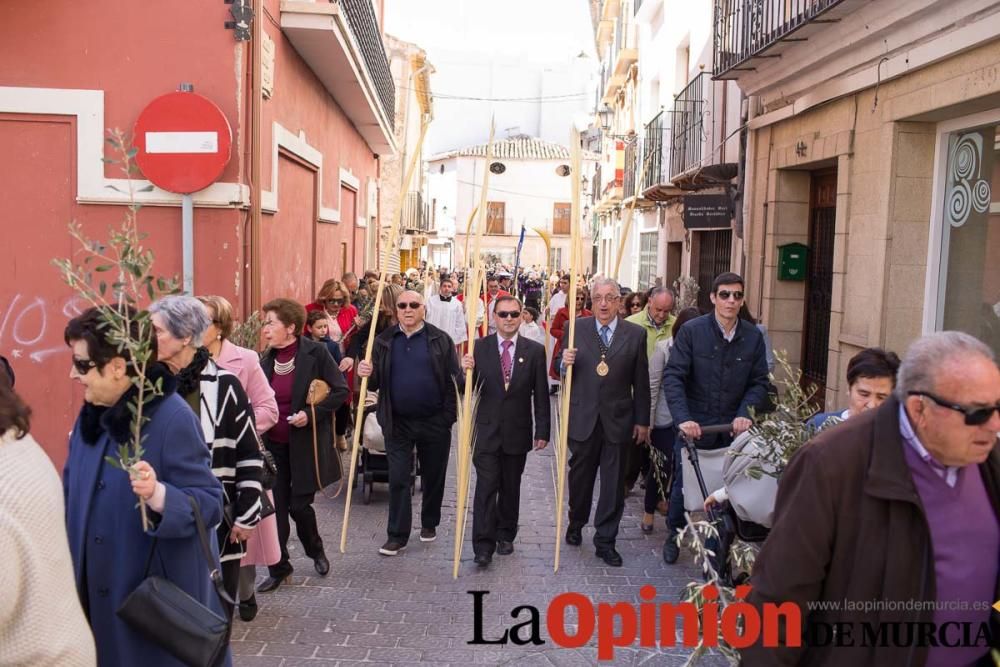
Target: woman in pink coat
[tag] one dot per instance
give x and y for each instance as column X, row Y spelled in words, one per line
column 262, row 546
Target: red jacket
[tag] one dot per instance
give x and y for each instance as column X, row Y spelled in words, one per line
column 558, row 329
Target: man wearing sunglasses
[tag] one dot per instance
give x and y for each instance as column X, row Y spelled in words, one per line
column 414, row 367
column 716, row 373
column 899, row 504
column 512, row 418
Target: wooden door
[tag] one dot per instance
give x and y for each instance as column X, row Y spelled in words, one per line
column 495, row 216
column 560, row 218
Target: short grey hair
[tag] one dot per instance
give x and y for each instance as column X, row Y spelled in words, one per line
column 183, row 316
column 657, row 291
column 928, row 355
column 604, row 282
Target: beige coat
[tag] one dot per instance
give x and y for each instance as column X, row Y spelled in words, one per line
column 41, row 622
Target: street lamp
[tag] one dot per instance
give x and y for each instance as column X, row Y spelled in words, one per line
column 605, row 114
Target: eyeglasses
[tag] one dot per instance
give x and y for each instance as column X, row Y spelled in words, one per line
column 973, row 416
column 412, row 305
column 83, row 366
column 606, row 299
column 335, row 302
column 508, row 314
column 724, row 294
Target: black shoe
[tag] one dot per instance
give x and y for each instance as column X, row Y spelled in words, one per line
column 483, row 560
column 322, row 565
column 610, row 556
column 574, row 536
column 671, row 552
column 272, row 583
column 248, row 609
column 391, row 547
column 428, row 534
column 553, row 390
column 505, row 548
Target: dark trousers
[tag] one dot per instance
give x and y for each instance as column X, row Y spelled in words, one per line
column 497, row 503
column 635, row 461
column 287, row 502
column 675, row 512
column 586, row 458
column 661, row 467
column 432, row 438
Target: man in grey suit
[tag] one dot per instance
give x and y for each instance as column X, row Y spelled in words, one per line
column 513, row 384
column 609, row 410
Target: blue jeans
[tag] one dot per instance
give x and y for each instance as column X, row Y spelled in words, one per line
column 675, row 512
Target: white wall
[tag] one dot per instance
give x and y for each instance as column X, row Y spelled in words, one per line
column 528, row 188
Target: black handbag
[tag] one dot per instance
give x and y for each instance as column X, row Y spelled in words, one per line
column 165, row 615
column 269, row 475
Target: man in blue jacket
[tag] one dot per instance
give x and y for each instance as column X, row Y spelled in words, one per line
column 717, row 371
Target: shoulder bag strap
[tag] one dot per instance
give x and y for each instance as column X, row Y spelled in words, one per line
column 336, row 455
column 213, row 571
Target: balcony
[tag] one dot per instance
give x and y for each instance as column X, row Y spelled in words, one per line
column 631, row 168
column 341, row 43
column 656, row 184
column 623, row 53
column 749, row 31
column 416, row 214
column 688, row 133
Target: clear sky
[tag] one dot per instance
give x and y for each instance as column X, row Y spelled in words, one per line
column 540, row 30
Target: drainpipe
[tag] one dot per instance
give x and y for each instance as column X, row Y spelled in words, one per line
column 256, row 148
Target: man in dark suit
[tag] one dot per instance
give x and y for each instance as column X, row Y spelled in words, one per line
column 513, row 385
column 609, row 410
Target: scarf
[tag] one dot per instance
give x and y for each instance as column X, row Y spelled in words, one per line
column 117, row 419
column 189, row 377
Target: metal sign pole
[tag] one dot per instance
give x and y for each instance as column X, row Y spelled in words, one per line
column 187, row 242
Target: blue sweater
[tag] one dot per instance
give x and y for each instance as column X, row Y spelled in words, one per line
column 412, row 383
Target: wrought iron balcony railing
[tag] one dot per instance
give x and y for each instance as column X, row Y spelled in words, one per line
column 657, row 152
column 416, row 213
column 746, row 28
column 364, row 26
column 688, row 133
column 631, row 165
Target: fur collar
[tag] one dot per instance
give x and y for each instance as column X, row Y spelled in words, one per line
column 116, row 421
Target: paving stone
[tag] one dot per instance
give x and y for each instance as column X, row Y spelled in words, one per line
column 408, row 609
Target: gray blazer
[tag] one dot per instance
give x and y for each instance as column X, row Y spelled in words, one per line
column 658, row 399
column 621, row 398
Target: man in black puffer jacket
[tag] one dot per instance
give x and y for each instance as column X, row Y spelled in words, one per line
column 717, row 372
column 414, row 367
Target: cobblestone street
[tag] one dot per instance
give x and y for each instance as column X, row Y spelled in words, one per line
column 408, row 610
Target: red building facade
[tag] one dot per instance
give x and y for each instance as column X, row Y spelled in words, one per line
column 69, row 71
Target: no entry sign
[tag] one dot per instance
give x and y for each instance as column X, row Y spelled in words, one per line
column 183, row 142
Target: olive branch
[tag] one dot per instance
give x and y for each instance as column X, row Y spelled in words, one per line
column 127, row 264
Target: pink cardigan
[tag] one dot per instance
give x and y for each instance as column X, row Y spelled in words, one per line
column 245, row 364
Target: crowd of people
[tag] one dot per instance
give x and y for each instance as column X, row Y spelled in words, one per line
column 241, row 441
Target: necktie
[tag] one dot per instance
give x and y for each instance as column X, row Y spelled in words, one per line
column 606, row 335
column 506, row 362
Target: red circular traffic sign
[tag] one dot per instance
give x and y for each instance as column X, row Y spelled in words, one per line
column 183, row 142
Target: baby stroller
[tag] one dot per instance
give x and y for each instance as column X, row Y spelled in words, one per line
column 374, row 466
column 746, row 515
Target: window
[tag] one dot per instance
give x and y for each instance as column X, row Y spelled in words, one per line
column 647, row 260
column 969, row 275
column 557, row 257
column 560, row 218
column 495, row 215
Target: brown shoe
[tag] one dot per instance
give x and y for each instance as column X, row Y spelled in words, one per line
column 647, row 523
column 342, row 443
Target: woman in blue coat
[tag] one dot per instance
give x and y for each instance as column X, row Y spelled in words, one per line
column 106, row 537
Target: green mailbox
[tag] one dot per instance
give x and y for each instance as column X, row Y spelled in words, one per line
column 792, row 261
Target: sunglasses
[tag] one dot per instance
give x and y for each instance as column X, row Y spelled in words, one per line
column 335, row 302
column 83, row 366
column 724, row 294
column 973, row 416
column 508, row 314
column 412, row 305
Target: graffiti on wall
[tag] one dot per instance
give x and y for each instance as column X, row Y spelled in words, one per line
column 31, row 326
